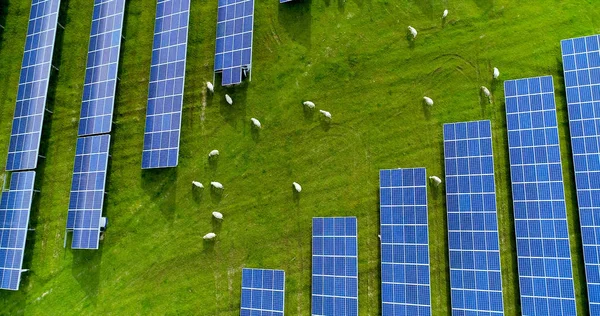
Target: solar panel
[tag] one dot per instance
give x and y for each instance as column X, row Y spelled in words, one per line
column 233, row 55
column 334, row 266
column 284, row 1
column 581, row 59
column 473, row 241
column 263, row 292
column 23, row 150
column 15, row 206
column 167, row 77
column 405, row 282
column 102, row 65
column 543, row 250
column 87, row 191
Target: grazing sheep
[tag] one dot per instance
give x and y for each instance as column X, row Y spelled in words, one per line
column 485, row 91
column 412, row 31
column 297, row 187
column 198, row 184
column 256, row 123
column 209, row 236
column 217, row 215
column 445, row 14
column 428, row 101
column 210, row 87
column 309, row 104
column 496, row 73
column 228, row 99
column 437, row 181
column 217, row 185
column 326, row 114
column 213, row 153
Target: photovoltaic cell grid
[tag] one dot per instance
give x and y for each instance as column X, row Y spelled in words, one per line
column 473, row 241
column 405, row 278
column 235, row 23
column 15, row 206
column 87, row 191
column 102, row 66
column 334, row 266
column 167, row 79
column 33, row 86
column 263, row 292
column 543, row 250
column 581, row 64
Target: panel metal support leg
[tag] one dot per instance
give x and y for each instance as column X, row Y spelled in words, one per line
column 43, row 157
column 61, row 26
column 55, row 68
column 49, row 111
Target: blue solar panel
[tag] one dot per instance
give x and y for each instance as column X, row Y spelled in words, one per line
column 102, row 65
column 334, row 266
column 28, row 118
column 284, row 1
column 167, row 77
column 233, row 55
column 405, row 283
column 473, row 241
column 581, row 59
column 15, row 206
column 543, row 250
column 263, row 292
column 87, row 191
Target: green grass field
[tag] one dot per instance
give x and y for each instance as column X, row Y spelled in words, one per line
column 349, row 56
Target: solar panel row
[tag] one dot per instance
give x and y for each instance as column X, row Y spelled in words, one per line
column 263, row 292
column 28, row 118
column 15, row 207
column 405, row 279
column 102, row 66
column 167, row 77
column 543, row 249
column 581, row 65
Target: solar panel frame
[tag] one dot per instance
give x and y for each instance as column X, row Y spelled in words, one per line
column 88, row 188
column 162, row 134
column 541, row 227
column 334, row 266
column 15, row 210
column 473, row 238
column 234, row 40
column 28, row 118
column 263, row 292
column 405, row 269
column 102, row 66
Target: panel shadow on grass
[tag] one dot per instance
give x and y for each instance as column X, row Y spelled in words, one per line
column 296, row 18
column 160, row 186
column 86, row 270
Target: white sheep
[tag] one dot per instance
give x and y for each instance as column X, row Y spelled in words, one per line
column 496, row 73
column 198, row 184
column 217, row 215
column 213, row 153
column 256, row 123
column 445, row 14
column 428, row 101
column 412, row 31
column 437, row 181
column 209, row 236
column 216, row 185
column 297, row 187
column 228, row 99
column 485, row 91
column 326, row 114
column 309, row 104
column 210, row 87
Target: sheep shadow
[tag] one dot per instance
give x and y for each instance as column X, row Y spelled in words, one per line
column 216, row 225
column 255, row 132
column 426, row 110
column 325, row 124
column 309, row 114
column 411, row 40
column 213, row 163
column 208, row 245
column 296, row 18
column 197, row 194
column 216, row 195
column 295, row 196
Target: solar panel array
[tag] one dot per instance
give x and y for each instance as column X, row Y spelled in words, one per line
column 405, row 278
column 28, row 118
column 284, row 1
column 263, row 292
column 235, row 23
column 167, row 77
column 543, row 250
column 102, row 65
column 87, row 191
column 581, row 64
column 15, row 207
column 475, row 272
column 334, row 266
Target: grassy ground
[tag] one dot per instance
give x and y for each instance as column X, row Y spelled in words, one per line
column 350, row 57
